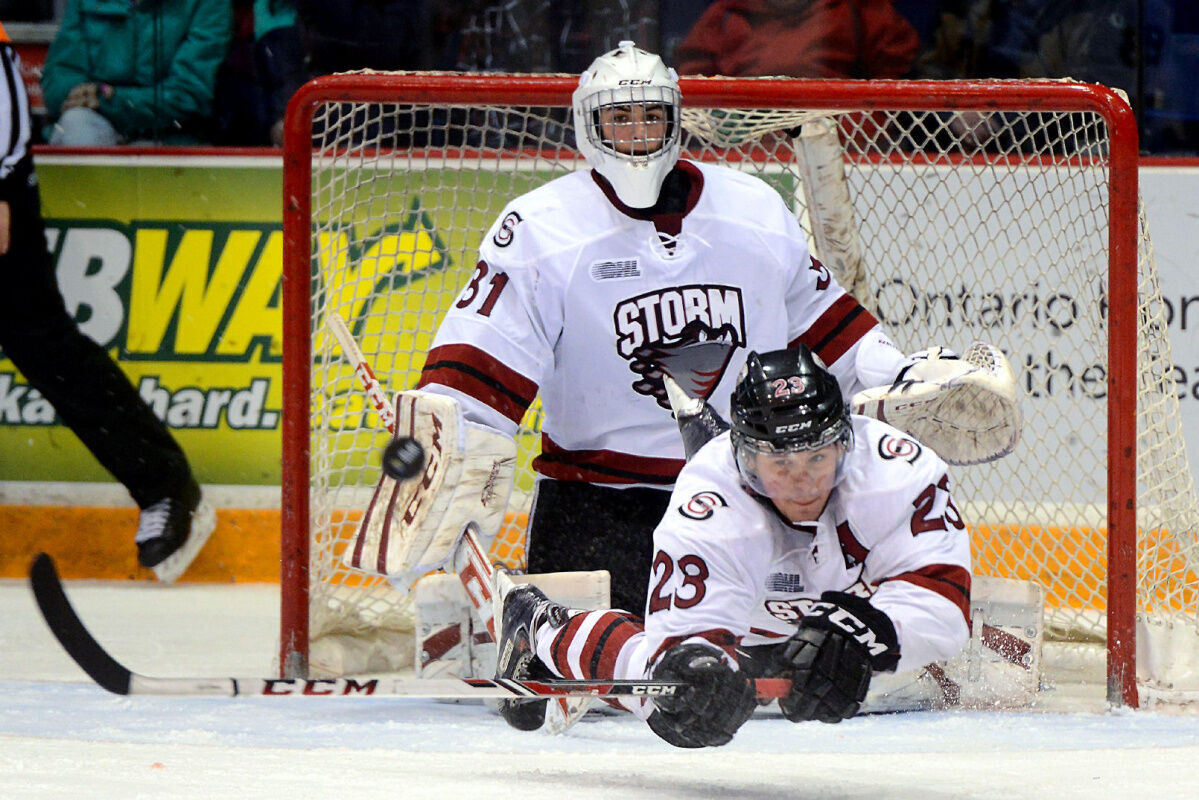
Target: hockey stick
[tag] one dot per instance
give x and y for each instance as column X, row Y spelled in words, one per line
column 110, row 674
column 366, row 376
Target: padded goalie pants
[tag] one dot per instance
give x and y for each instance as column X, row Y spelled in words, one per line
column 581, row 526
column 91, row 395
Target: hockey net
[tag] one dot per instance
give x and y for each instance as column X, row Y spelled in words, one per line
column 957, row 211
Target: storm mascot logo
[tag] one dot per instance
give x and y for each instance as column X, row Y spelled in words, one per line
column 687, row 332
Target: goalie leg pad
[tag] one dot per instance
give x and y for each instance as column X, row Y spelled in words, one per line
column 447, row 642
column 450, row 642
column 1000, row 667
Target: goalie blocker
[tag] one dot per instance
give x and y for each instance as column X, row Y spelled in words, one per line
column 411, row 527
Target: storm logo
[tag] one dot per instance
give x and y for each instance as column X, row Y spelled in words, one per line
column 702, row 505
column 687, row 332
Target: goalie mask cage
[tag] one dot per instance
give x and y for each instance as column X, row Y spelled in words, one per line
column 1001, row 211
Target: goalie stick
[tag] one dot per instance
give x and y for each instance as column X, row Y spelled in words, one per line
column 110, row 674
column 366, row 376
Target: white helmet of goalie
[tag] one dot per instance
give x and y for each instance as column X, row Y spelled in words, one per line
column 626, row 115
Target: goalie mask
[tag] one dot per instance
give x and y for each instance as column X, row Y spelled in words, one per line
column 785, row 401
column 626, row 117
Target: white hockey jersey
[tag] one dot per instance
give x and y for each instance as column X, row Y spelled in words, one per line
column 589, row 303
column 727, row 567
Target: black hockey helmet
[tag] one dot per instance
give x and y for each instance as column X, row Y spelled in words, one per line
column 784, row 401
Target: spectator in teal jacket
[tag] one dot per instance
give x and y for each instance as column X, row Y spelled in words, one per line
column 123, row 71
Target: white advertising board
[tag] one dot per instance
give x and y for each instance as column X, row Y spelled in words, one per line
column 1171, row 197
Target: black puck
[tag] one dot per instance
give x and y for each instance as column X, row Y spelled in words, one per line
column 403, row 458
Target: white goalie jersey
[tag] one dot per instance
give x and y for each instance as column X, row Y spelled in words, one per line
column 728, row 568
column 588, row 302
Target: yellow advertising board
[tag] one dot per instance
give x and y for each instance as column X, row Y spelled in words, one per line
column 173, row 264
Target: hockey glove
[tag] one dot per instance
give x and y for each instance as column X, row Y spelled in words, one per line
column 706, row 712
column 831, row 657
column 967, row 409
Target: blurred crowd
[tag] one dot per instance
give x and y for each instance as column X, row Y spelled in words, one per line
column 221, row 71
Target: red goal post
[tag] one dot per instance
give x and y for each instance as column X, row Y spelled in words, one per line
column 337, row 141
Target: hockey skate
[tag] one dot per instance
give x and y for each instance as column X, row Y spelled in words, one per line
column 525, row 608
column 171, row 532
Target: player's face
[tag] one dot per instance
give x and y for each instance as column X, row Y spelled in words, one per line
column 634, row 130
column 799, row 483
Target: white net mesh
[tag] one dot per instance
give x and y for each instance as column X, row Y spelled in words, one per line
column 969, row 225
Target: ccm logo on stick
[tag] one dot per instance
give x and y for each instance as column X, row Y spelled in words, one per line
column 329, row 686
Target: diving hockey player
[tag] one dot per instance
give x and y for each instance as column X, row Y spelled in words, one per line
column 805, row 543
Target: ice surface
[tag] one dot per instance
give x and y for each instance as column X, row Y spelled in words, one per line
column 62, row 737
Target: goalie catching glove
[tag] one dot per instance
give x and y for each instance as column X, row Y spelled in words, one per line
column 966, row 409
column 716, row 701
column 840, row 642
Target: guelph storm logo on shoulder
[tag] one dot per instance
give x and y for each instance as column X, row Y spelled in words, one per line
column 702, row 505
column 688, row 332
column 507, row 229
